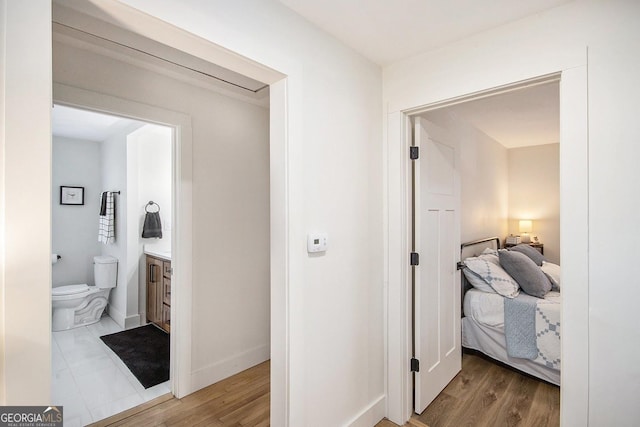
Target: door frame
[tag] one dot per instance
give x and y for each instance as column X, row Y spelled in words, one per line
column 574, row 250
column 123, row 16
column 182, row 233
column 35, row 23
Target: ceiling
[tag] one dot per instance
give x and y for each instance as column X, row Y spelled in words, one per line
column 86, row 125
column 520, row 118
column 386, row 31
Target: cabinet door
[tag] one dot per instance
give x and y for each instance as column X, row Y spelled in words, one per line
column 166, row 269
column 154, row 290
column 166, row 298
column 166, row 317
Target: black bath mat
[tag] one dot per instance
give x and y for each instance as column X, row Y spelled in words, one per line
column 145, row 351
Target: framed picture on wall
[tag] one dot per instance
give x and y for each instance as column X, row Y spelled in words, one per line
column 71, row 195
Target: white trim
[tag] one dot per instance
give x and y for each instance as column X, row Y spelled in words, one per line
column 370, row 415
column 121, row 319
column 181, row 296
column 397, row 262
column 218, row 371
column 574, row 247
column 279, row 229
column 137, row 22
column 574, row 250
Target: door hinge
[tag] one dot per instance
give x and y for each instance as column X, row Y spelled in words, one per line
column 460, row 265
column 414, row 258
column 414, row 153
column 415, row 365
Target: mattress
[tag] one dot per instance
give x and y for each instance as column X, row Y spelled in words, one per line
column 483, row 330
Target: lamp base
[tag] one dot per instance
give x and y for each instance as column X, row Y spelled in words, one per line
column 525, row 238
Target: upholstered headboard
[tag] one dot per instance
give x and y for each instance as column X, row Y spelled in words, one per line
column 474, row 248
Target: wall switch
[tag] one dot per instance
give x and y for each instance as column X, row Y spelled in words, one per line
column 317, row 242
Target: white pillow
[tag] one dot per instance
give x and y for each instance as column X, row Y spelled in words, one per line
column 493, row 275
column 490, row 255
column 553, row 273
column 477, row 281
column 489, row 251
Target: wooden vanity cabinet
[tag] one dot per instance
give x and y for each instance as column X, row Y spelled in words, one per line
column 159, row 292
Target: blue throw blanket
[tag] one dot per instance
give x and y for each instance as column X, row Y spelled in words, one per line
column 520, row 326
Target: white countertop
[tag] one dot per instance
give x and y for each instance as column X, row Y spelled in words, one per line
column 158, row 252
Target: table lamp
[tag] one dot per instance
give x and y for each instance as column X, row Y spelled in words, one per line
column 525, row 226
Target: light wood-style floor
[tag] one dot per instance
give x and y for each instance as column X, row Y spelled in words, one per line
column 239, row 401
column 487, row 394
column 483, row 394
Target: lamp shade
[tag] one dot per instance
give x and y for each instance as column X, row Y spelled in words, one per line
column 526, row 225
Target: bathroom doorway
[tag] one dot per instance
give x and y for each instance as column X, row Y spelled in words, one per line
column 112, row 183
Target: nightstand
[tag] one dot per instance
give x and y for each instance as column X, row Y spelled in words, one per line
column 538, row 246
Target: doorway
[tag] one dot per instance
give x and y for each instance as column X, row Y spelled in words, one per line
column 222, row 190
column 508, row 166
column 573, row 155
column 103, row 157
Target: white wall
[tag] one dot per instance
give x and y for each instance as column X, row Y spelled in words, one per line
column 601, row 390
column 149, row 177
column 154, row 178
column 484, row 178
column 74, row 234
column 230, row 207
column 123, row 299
column 534, row 193
column 335, row 302
column 25, row 203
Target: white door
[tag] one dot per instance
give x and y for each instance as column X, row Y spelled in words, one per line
column 437, row 282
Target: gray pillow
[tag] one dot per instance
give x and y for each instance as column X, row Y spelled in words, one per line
column 529, row 276
column 530, row 252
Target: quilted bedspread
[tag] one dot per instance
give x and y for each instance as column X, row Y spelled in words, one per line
column 532, row 328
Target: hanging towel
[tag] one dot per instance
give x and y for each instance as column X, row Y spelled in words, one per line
column 152, row 225
column 103, row 204
column 107, row 223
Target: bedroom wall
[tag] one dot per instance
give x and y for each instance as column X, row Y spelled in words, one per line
column 598, row 390
column 336, row 312
column 534, row 193
column 484, row 178
column 74, row 233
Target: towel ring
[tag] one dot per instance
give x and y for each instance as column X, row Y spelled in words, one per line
column 151, row 203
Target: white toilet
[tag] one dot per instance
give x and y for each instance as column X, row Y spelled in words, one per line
column 79, row 305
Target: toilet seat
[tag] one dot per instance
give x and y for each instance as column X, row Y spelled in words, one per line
column 69, row 290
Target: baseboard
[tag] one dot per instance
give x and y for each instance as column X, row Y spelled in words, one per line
column 132, row 321
column 126, row 322
column 371, row 415
column 224, row 369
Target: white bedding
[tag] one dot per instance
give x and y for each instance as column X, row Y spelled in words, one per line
column 488, row 308
column 483, row 330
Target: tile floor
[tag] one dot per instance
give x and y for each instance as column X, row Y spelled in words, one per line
column 89, row 380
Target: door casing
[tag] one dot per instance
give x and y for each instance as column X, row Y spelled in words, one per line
column 574, row 238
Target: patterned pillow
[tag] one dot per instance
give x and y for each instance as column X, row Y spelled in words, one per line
column 477, row 281
column 493, row 275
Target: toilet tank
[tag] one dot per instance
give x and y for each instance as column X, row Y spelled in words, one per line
column 105, row 271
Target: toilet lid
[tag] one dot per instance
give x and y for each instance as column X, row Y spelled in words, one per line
column 69, row 289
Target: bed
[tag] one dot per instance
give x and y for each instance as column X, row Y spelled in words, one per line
column 503, row 321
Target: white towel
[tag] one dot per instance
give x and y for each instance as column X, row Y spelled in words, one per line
column 107, row 226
